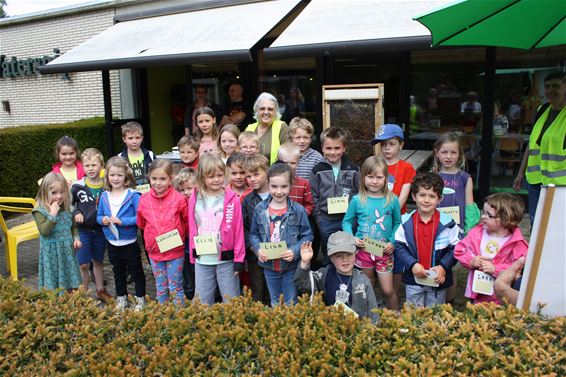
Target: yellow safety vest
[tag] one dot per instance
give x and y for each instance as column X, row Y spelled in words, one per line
column 275, row 131
column 547, row 161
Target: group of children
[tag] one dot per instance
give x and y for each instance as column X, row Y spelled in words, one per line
column 224, row 217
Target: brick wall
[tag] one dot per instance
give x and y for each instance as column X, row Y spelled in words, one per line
column 43, row 99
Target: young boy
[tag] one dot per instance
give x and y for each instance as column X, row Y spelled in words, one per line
column 255, row 167
column 301, row 190
column 401, row 173
column 236, row 173
column 340, row 282
column 248, row 143
column 138, row 157
column 184, row 183
column 300, row 132
column 424, row 244
column 332, row 180
column 85, row 194
column 188, row 151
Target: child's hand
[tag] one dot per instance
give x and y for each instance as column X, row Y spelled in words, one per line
column 105, row 220
column 440, row 274
column 306, row 252
column 476, row 262
column 419, row 271
column 360, row 243
column 288, row 255
column 79, row 218
column 389, row 248
column 77, row 244
column 115, row 220
column 54, row 208
column 261, row 256
column 487, row 267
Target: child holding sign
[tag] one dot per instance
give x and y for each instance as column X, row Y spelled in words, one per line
column 333, row 183
column 493, row 245
column 378, row 215
column 216, row 233
column 279, row 228
column 117, row 209
column 424, row 244
column 162, row 215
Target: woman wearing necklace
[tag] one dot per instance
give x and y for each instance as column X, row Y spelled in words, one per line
column 272, row 132
column 341, row 283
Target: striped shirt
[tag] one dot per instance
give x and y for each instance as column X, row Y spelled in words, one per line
column 307, row 162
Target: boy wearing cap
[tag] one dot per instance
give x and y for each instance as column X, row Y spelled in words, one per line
column 340, row 282
column 401, row 173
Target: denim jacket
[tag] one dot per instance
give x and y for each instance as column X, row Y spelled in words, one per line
column 295, row 230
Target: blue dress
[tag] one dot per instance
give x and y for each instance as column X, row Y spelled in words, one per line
column 58, row 267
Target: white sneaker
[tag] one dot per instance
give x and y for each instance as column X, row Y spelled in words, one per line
column 140, row 304
column 121, row 303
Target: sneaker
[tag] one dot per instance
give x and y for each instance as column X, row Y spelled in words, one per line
column 121, row 303
column 104, row 296
column 140, row 304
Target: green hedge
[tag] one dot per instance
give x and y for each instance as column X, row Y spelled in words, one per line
column 42, row 334
column 27, row 152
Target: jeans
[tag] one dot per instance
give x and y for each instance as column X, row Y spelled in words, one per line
column 169, row 280
column 208, row 277
column 419, row 295
column 326, row 228
column 188, row 278
column 534, row 194
column 281, row 283
column 127, row 259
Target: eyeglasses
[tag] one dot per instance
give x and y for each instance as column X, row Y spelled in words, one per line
column 483, row 213
column 270, row 109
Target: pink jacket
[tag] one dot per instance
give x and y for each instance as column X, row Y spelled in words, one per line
column 469, row 247
column 158, row 215
column 231, row 230
column 80, row 170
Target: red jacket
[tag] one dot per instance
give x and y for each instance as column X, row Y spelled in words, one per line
column 158, row 215
column 301, row 193
column 80, row 170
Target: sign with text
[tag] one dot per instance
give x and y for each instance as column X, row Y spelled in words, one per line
column 374, row 247
column 273, row 250
column 338, row 204
column 206, row 244
column 168, row 241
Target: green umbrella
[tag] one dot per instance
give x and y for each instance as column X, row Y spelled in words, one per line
column 506, row 23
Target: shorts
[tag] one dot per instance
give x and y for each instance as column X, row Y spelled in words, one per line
column 366, row 260
column 93, row 246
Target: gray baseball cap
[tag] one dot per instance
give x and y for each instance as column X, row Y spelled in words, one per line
column 341, row 242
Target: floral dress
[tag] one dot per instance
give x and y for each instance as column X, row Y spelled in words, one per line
column 58, row 267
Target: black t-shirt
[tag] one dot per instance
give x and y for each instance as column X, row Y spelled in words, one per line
column 332, row 284
column 551, row 118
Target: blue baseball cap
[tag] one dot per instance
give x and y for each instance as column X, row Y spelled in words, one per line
column 388, row 131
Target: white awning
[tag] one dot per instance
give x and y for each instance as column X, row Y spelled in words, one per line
column 342, row 26
column 202, row 36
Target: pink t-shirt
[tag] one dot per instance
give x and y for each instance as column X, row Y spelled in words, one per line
column 207, row 146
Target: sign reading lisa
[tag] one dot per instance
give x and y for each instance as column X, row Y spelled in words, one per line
column 482, row 283
column 454, row 212
column 205, row 244
column 168, row 241
column 337, row 204
column 374, row 247
column 273, row 250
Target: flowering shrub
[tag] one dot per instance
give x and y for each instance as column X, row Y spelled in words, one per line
column 42, row 334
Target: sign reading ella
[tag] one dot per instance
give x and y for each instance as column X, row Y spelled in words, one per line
column 14, row 67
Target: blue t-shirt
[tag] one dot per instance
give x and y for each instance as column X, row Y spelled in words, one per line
column 375, row 219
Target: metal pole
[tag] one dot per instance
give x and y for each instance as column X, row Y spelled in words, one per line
column 108, row 112
column 487, row 128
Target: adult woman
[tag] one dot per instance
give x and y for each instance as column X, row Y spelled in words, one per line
column 271, row 130
column 545, row 158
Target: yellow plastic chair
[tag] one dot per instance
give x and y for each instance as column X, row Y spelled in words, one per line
column 16, row 234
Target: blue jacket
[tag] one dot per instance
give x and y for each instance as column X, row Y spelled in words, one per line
column 127, row 214
column 295, row 230
column 446, row 237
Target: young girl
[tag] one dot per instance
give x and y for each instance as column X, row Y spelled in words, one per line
column 458, row 197
column 215, row 212
column 207, row 132
column 66, row 154
column 117, row 214
column 492, row 246
column 279, row 219
column 377, row 212
column 228, row 141
column 163, row 212
column 59, row 237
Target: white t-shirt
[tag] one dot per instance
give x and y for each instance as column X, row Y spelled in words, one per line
column 115, row 204
column 491, row 245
